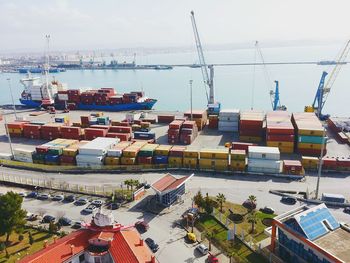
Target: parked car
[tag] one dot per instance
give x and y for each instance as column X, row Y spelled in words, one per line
column 89, row 209
column 43, row 196
column 81, row 201
column 141, row 226
column 64, row 221
column 346, row 210
column 32, row 195
column 97, row 203
column 152, row 244
column 288, row 200
column 32, row 217
column 76, row 225
column 203, row 249
column 113, row 206
column 267, row 210
column 69, row 198
column 146, row 185
column 48, row 219
column 22, row 194
column 58, row 198
column 212, row 259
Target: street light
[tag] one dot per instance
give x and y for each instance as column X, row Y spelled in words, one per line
column 13, row 102
column 7, row 133
column 321, row 162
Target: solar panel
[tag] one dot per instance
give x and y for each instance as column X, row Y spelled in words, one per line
column 316, row 223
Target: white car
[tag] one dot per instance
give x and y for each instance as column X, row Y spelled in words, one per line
column 43, row 196
column 203, row 249
column 97, row 203
column 89, row 209
column 58, row 198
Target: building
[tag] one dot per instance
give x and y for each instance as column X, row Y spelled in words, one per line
column 310, row 235
column 98, row 242
column 170, row 188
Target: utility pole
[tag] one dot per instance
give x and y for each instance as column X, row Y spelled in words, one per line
column 13, row 102
column 191, row 81
column 8, row 134
column 320, row 163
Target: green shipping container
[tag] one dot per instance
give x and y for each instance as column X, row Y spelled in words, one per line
column 311, row 139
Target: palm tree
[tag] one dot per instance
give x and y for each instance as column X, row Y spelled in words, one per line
column 128, row 183
column 221, row 198
column 210, row 235
column 252, row 200
column 252, row 218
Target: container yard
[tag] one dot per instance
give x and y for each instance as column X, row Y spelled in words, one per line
column 276, row 142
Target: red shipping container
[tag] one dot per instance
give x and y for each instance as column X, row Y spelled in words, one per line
column 343, row 162
column 70, row 129
column 41, row 149
column 67, row 159
column 120, row 129
column 241, row 145
column 50, row 136
column 292, row 166
column 15, row 125
column 91, row 133
column 177, row 151
column 72, row 136
column 280, row 138
column 189, row 124
column 312, row 152
column 329, row 161
column 255, row 133
column 144, row 160
column 176, row 124
column 165, row 118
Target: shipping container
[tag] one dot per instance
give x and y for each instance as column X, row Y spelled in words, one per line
column 261, row 152
column 214, row 153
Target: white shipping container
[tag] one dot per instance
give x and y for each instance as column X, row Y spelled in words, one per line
column 229, row 112
column 98, row 146
column 229, row 118
column 63, row 96
column 82, row 158
column 22, row 152
column 263, row 170
column 5, row 156
column 89, row 165
column 261, row 163
column 23, row 159
column 115, row 152
column 262, row 152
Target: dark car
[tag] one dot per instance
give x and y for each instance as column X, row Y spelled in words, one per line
column 48, row 219
column 81, row 201
column 69, row 198
column 346, row 210
column 152, row 244
column 267, row 210
column 64, row 221
column 288, row 200
column 32, row 195
column 141, row 226
column 146, row 185
column 76, row 225
column 113, row 206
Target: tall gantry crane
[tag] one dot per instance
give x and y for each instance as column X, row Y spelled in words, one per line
column 208, row 77
column 325, row 87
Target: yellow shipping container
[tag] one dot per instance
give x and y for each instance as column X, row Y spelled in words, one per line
column 205, row 166
column 163, row 150
column 309, row 146
column 221, row 167
column 190, row 162
column 250, row 139
column 191, row 153
column 206, row 162
column 280, row 144
column 16, row 131
column 127, row 160
column 286, row 149
column 318, row 132
column 238, row 154
column 175, row 162
column 221, row 162
column 214, row 153
column 110, row 160
column 139, row 144
column 308, row 160
column 130, row 152
column 70, row 152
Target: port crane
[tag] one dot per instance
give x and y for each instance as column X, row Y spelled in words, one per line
column 274, row 94
column 324, row 87
column 208, row 77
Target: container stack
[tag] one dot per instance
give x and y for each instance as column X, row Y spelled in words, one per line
column 15, row 129
column 280, row 131
column 189, row 132
column 309, row 162
column 165, row 118
column 176, row 155
column 229, row 120
column 199, row 116
column 115, row 153
column 213, row 122
column 121, row 132
column 292, row 167
column 146, row 153
column 103, row 120
column 87, row 97
column 174, row 131
column 309, row 132
column 341, row 128
column 214, row 159
column 74, row 133
column 73, row 97
column 264, row 160
column 85, row 121
column 92, row 154
column 93, row 133
column 68, row 157
column 190, row 158
column 31, row 131
column 130, row 153
column 23, row 155
column 251, row 126
column 161, row 154
column 51, row 131
column 241, row 146
column 238, row 160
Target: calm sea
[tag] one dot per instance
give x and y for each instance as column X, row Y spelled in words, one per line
column 235, row 86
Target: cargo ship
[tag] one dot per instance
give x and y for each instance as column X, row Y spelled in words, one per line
column 37, row 94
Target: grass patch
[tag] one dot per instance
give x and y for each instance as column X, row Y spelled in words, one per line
column 18, row 250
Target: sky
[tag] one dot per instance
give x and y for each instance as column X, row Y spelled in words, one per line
column 105, row 24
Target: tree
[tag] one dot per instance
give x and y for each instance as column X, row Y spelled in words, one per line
column 252, row 201
column 12, row 215
column 252, row 219
column 52, row 228
column 127, row 183
column 30, row 237
column 208, row 205
column 210, row 236
column 198, row 200
column 221, row 198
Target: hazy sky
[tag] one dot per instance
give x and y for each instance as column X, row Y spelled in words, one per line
column 85, row 24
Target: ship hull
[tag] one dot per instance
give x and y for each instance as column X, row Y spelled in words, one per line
column 147, row 105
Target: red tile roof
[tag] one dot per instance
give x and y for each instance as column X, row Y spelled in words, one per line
column 168, row 182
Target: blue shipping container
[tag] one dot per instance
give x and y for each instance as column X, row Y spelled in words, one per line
column 52, row 158
column 144, row 135
column 160, row 159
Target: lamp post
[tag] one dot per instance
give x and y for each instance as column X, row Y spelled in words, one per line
column 8, row 134
column 320, row 163
column 191, row 81
column 13, row 102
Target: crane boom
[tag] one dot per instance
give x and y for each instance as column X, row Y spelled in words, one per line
column 208, row 81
